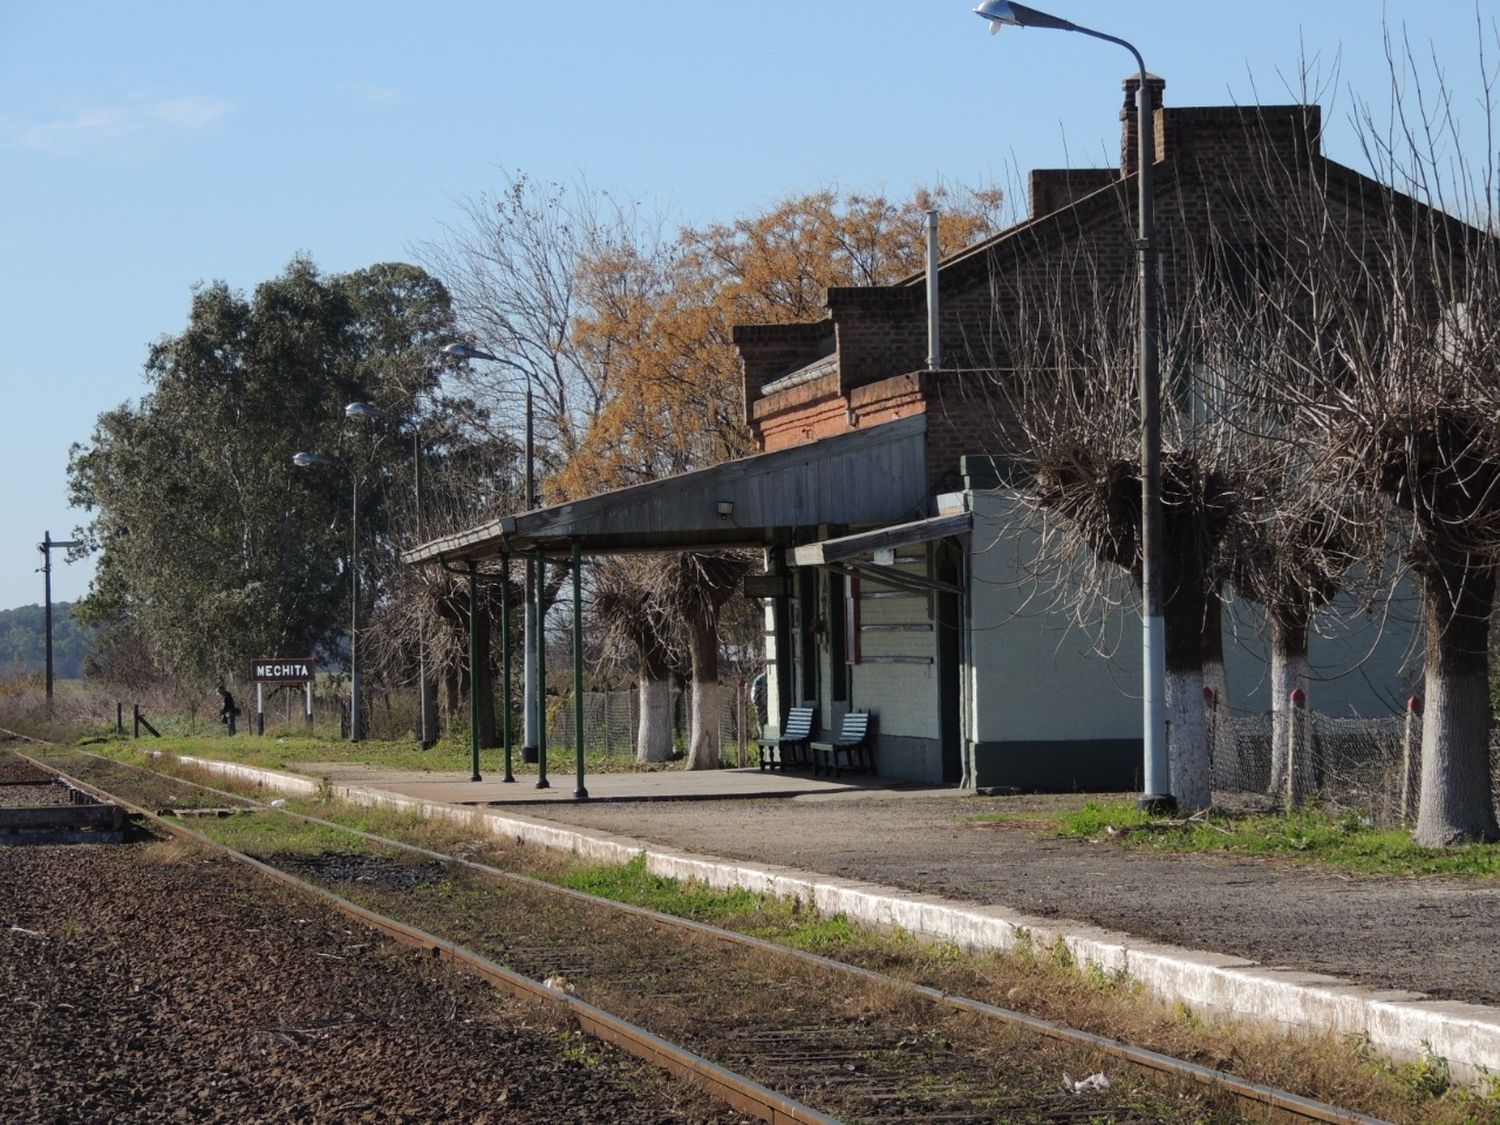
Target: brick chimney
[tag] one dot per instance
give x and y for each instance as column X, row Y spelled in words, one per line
column 1130, row 141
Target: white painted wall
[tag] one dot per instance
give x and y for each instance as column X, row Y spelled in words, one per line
column 905, row 696
column 1033, row 675
column 1365, row 663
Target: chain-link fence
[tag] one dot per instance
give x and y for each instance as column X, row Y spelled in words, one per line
column 1371, row 767
column 611, row 721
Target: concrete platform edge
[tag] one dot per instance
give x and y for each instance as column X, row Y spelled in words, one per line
column 1400, row 1024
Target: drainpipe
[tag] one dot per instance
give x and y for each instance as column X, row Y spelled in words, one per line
column 581, row 793
column 539, row 701
column 934, row 341
column 505, row 735
column 473, row 670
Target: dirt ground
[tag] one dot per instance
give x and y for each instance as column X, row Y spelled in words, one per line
column 1433, row 935
column 157, row 983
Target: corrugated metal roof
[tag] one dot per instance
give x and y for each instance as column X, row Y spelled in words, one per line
column 866, row 478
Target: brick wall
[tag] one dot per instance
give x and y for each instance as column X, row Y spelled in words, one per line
column 1051, row 189
column 1130, row 121
column 769, row 351
column 1213, row 159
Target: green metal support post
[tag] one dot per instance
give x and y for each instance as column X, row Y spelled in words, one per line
column 474, row 670
column 505, row 643
column 581, row 793
column 541, row 676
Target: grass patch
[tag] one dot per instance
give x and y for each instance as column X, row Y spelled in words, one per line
column 1342, row 841
column 269, row 833
column 291, row 752
column 782, row 920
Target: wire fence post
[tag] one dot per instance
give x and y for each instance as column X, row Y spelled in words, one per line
column 1409, row 741
column 1296, row 750
column 1211, row 705
column 739, row 722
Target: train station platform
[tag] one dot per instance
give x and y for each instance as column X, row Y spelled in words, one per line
column 1408, row 964
column 629, row 786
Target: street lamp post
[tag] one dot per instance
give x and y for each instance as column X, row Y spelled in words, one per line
column 426, row 688
column 427, row 700
column 46, row 547
column 318, row 461
column 1156, row 791
column 529, row 622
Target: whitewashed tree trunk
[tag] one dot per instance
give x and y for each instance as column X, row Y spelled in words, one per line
column 1288, row 674
column 1222, row 748
column 1187, row 740
column 1456, row 804
column 654, row 726
column 704, row 754
column 703, row 644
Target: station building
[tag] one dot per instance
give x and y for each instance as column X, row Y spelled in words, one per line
column 880, row 501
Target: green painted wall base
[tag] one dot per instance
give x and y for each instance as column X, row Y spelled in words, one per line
column 1094, row 766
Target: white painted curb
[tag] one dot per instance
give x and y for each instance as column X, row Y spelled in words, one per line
column 1398, row 1023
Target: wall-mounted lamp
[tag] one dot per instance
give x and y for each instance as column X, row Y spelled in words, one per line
column 726, row 509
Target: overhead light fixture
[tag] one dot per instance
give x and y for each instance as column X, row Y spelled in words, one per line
column 1000, row 13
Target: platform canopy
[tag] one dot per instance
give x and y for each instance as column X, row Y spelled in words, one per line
column 867, row 478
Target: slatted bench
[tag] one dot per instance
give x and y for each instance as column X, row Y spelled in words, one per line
column 792, row 740
column 854, row 737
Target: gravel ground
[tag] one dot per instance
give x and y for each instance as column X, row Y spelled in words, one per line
column 28, row 795
column 156, row 982
column 1430, row 934
column 13, row 768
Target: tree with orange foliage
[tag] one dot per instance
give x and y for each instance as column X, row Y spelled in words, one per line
column 659, row 320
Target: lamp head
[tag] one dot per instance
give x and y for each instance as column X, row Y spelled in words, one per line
column 463, row 351
column 363, row 410
column 310, row 460
column 1002, row 13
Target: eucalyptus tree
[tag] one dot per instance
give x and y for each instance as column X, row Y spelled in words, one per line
column 213, row 546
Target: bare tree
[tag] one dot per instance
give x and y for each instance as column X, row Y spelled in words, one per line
column 1063, row 350
column 692, row 589
column 522, row 266
column 1374, row 308
column 634, row 628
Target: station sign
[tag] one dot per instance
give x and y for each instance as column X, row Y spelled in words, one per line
column 768, row 585
column 283, row 670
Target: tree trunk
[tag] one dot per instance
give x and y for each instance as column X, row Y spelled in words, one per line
column 1222, row 746
column 1457, row 803
column 450, row 696
column 487, row 737
column 1288, row 674
column 705, row 752
column 703, row 643
column 654, row 728
column 1188, row 768
column 1189, row 771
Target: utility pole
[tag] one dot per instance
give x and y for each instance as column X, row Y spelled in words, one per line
column 45, row 547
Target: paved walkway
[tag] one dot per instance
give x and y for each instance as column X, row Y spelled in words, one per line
column 1401, row 961
column 657, row 785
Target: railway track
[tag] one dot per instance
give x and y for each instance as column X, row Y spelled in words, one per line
column 837, row 1041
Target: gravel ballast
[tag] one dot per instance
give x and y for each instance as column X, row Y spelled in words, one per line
column 162, row 982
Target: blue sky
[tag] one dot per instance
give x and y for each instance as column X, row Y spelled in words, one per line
column 148, row 147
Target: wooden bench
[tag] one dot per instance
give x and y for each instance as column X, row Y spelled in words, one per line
column 854, row 737
column 793, row 739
